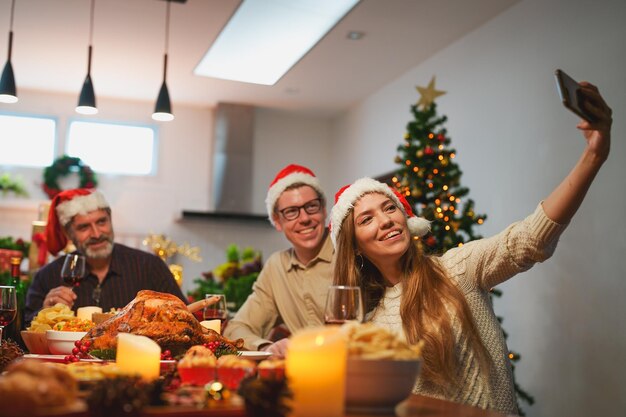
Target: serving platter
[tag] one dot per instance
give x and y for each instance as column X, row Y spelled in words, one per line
column 61, row 359
column 254, row 355
column 46, row 358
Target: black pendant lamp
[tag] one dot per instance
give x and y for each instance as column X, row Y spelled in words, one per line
column 8, row 91
column 163, row 108
column 87, row 98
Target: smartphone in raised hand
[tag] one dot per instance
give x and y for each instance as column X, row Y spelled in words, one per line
column 569, row 91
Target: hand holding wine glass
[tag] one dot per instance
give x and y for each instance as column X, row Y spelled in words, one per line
column 8, row 307
column 73, row 269
column 343, row 304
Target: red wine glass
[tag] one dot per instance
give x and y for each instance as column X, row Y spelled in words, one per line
column 8, row 307
column 215, row 308
column 73, row 270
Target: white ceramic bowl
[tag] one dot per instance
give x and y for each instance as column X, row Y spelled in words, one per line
column 62, row 343
column 379, row 385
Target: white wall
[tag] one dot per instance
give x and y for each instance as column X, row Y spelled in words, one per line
column 282, row 138
column 143, row 205
column 514, row 143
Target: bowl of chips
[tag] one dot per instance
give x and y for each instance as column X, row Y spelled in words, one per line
column 35, row 335
column 381, row 369
column 61, row 342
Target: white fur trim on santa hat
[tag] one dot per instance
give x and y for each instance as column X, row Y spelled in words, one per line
column 417, row 226
column 80, row 205
column 273, row 194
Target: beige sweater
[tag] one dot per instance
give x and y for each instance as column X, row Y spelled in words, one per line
column 286, row 291
column 475, row 268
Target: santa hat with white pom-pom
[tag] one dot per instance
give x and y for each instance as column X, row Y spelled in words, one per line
column 348, row 195
column 63, row 208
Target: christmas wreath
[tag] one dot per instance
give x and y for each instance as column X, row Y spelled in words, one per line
column 62, row 167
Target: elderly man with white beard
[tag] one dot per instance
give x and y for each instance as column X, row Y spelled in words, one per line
column 114, row 272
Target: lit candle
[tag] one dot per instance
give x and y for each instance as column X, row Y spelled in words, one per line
column 85, row 313
column 213, row 325
column 316, row 370
column 138, row 355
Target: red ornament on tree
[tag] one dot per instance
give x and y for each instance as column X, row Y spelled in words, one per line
column 428, row 150
column 441, row 137
column 431, row 241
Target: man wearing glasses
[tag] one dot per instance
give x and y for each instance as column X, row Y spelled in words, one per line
column 293, row 284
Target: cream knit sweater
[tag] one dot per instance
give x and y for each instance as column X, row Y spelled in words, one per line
column 475, row 268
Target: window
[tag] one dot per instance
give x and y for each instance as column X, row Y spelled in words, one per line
column 26, row 140
column 113, row 148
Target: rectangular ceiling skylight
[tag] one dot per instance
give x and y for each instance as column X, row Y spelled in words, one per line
column 265, row 38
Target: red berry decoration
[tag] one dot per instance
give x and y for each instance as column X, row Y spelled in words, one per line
column 81, row 350
column 212, row 346
column 166, row 355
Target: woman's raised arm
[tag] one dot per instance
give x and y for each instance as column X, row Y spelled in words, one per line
column 565, row 199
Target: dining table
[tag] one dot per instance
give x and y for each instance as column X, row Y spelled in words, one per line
column 414, row 406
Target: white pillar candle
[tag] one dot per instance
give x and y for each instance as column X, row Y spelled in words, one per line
column 138, row 355
column 85, row 313
column 316, row 370
column 215, row 325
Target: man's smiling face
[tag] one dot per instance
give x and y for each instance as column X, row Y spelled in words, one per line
column 306, row 232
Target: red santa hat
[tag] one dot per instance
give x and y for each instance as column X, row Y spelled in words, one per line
column 64, row 206
column 348, row 195
column 288, row 176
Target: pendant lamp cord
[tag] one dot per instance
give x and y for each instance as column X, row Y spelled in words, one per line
column 93, row 5
column 11, row 30
column 167, row 38
column 93, row 2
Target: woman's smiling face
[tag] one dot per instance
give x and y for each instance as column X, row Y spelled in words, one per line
column 380, row 229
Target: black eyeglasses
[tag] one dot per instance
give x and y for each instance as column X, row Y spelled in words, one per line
column 293, row 212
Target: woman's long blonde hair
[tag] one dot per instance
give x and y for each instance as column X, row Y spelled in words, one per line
column 430, row 301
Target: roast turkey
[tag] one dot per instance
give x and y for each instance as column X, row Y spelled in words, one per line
column 163, row 318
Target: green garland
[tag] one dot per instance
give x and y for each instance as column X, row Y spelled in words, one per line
column 62, row 167
column 7, row 242
column 15, row 185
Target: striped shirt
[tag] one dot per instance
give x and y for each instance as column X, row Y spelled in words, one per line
column 130, row 271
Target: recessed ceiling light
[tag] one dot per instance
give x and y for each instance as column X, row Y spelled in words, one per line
column 265, row 38
column 354, row 35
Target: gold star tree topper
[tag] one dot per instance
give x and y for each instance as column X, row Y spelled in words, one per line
column 428, row 94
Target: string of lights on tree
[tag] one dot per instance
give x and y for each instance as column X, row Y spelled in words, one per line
column 431, row 182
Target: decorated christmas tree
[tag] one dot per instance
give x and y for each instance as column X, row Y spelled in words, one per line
column 431, row 182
